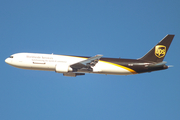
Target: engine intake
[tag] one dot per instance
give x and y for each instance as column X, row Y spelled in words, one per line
column 63, row 68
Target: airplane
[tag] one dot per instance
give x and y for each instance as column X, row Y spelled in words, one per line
column 73, row 66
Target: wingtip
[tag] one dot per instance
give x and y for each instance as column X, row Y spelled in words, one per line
column 99, row 55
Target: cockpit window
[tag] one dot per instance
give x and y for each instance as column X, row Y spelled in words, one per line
column 11, row 56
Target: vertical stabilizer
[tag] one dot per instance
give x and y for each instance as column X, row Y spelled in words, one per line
column 158, row 52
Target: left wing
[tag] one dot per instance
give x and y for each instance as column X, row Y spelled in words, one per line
column 90, row 62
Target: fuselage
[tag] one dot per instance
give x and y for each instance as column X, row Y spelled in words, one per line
column 49, row 62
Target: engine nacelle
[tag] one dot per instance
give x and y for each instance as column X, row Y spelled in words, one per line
column 63, row 68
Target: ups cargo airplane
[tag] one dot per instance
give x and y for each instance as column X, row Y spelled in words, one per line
column 79, row 65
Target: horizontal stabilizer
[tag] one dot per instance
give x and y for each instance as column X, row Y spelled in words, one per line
column 170, row 66
column 157, row 64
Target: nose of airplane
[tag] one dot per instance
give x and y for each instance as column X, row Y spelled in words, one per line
column 7, row 60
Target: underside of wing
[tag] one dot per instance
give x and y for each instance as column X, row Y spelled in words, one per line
column 86, row 64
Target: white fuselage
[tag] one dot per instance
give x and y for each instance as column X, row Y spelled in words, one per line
column 49, row 62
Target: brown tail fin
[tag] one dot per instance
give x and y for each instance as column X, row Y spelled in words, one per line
column 158, row 52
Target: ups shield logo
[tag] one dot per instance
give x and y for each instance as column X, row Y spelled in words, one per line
column 160, row 51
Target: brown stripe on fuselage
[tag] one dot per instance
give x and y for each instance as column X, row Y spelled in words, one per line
column 129, row 63
column 139, row 66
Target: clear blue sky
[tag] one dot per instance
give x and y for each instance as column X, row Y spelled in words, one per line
column 114, row 28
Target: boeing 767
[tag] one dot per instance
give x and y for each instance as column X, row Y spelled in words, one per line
column 79, row 65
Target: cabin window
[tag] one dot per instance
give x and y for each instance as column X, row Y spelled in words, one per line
column 11, row 56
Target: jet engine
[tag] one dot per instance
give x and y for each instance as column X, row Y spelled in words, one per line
column 63, row 68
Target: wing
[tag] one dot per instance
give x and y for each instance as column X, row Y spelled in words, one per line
column 90, row 62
